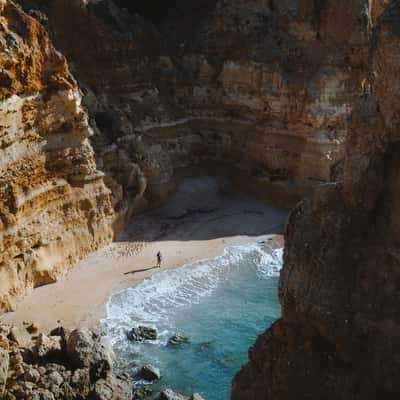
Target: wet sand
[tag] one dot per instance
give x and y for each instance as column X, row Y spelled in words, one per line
column 196, row 223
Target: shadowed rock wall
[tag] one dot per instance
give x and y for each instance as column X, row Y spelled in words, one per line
column 339, row 333
column 263, row 88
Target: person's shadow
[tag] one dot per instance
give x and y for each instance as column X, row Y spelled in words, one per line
column 135, row 271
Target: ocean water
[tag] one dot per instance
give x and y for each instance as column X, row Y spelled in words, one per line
column 221, row 305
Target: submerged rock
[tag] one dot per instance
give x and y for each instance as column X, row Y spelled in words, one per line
column 177, row 340
column 150, row 373
column 205, row 346
column 142, row 333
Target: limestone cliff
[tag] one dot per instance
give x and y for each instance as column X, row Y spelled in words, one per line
column 282, row 96
column 54, row 206
column 259, row 90
column 339, row 333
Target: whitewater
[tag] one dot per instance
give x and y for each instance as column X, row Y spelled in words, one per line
column 220, row 305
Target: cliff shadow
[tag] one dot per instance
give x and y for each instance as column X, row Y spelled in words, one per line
column 205, row 208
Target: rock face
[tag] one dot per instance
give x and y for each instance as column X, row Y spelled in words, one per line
column 339, row 333
column 258, row 90
column 26, row 374
column 54, row 206
column 279, row 95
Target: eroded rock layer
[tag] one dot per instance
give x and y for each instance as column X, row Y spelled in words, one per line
column 279, row 95
column 339, row 333
column 259, row 89
column 54, row 206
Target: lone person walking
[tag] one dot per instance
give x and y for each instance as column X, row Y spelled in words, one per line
column 159, row 259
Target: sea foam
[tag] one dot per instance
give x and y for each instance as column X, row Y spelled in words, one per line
column 150, row 302
column 220, row 305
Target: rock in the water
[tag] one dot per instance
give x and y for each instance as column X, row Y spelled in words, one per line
column 169, row 394
column 142, row 333
column 150, row 373
column 86, row 351
column 177, row 340
column 196, row 396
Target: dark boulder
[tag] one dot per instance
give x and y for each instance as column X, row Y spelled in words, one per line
column 142, row 333
column 150, row 373
column 178, row 340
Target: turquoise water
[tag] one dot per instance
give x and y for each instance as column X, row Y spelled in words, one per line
column 221, row 305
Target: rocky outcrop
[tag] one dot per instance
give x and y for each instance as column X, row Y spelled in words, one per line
column 25, row 375
column 260, row 91
column 54, row 206
column 339, row 333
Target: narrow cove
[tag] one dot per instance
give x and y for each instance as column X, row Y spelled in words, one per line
column 220, row 305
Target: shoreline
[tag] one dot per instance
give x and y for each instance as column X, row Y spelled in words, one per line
column 182, row 233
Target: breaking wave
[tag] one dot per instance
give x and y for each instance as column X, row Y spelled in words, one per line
column 188, row 300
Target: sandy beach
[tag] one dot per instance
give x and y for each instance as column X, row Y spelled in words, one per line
column 197, row 223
